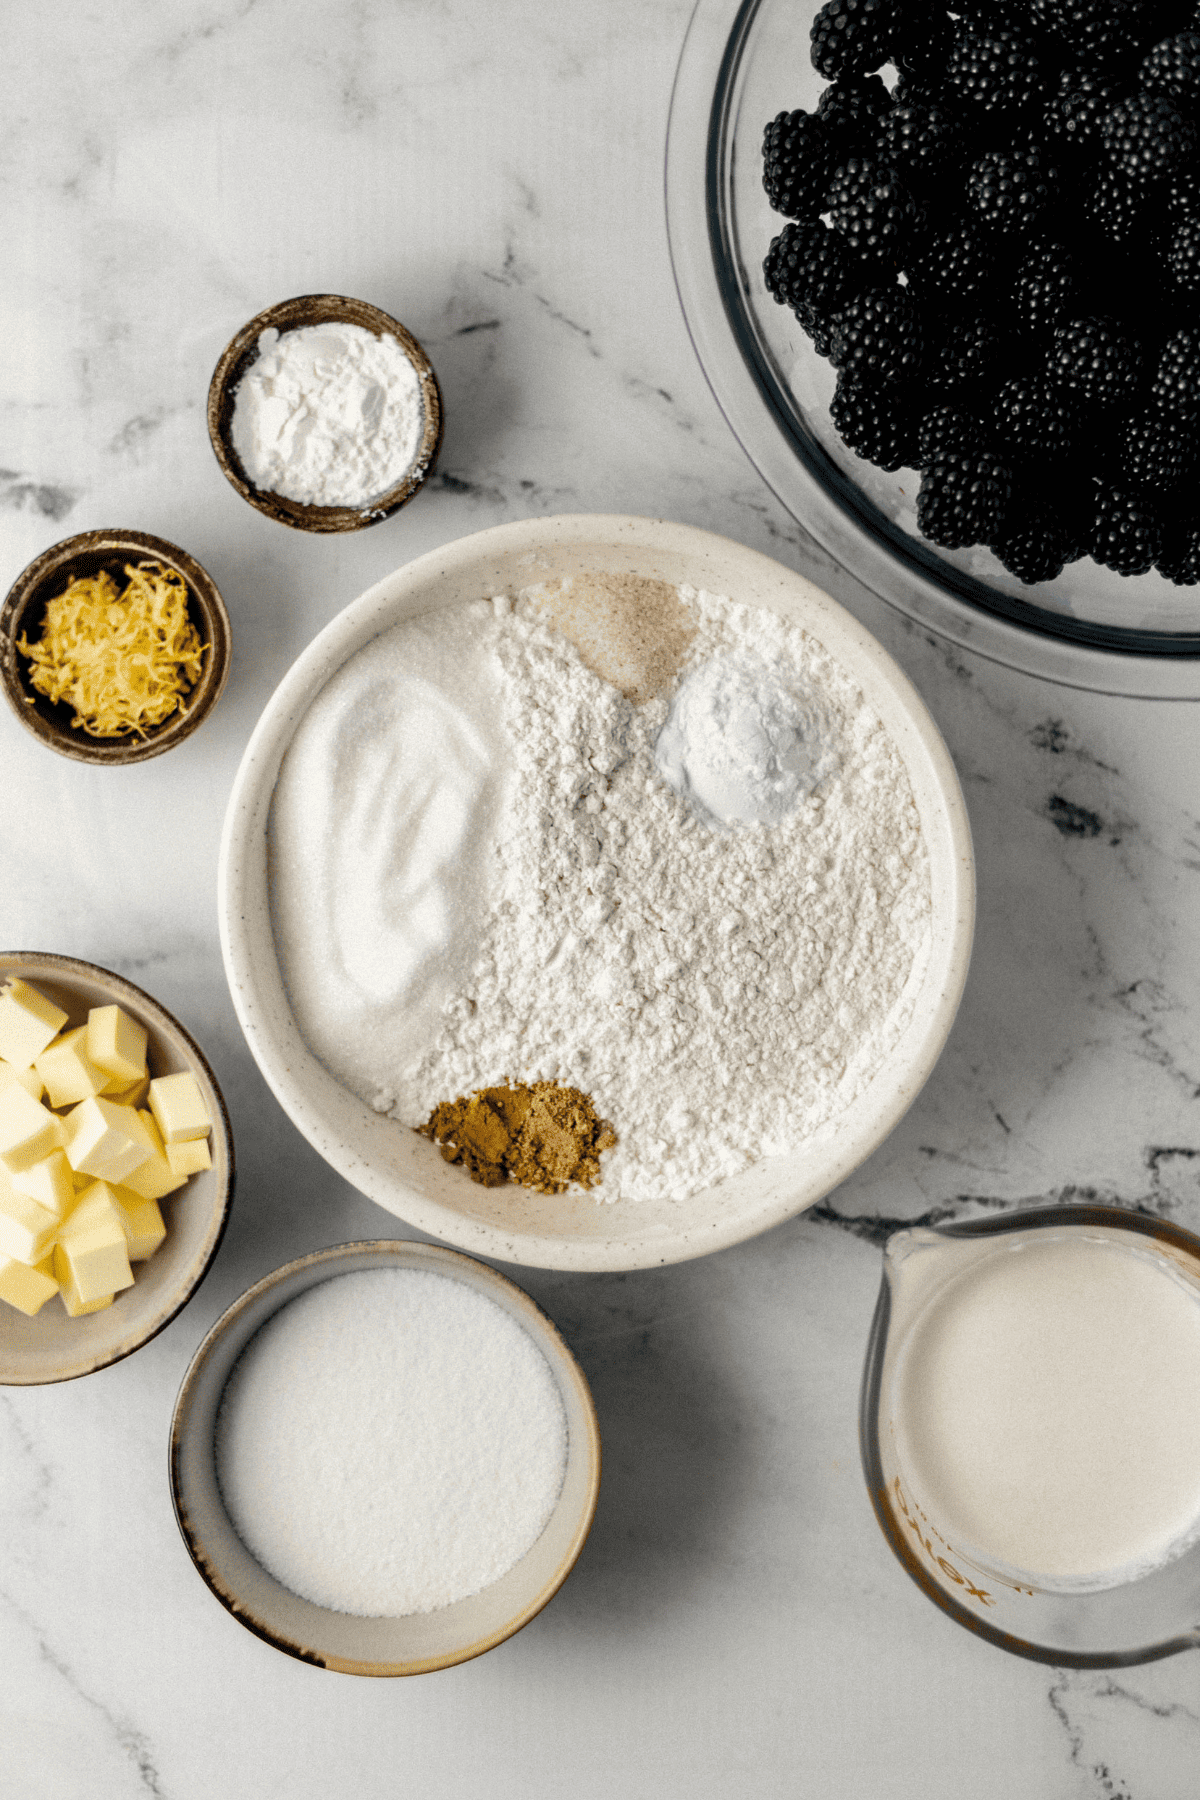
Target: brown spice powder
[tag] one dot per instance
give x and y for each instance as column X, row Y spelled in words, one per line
column 543, row 1135
column 628, row 629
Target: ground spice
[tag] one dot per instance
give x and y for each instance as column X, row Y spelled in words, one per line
column 630, row 630
column 543, row 1135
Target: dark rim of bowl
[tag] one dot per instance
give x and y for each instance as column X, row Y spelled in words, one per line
column 45, row 578
column 239, row 356
column 68, row 965
column 730, row 274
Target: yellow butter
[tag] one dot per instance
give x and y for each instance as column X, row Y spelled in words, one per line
column 51, row 1182
column 189, row 1158
column 142, row 1223
column 29, row 1079
column 158, row 1175
column 178, row 1107
column 101, row 1141
column 117, row 1044
column 28, row 1023
column 28, row 1130
column 133, row 1095
column 69, row 1293
column 28, row 1289
column 68, row 1071
column 97, row 1261
column 27, row 1230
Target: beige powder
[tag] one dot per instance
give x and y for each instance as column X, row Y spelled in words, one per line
column 628, row 630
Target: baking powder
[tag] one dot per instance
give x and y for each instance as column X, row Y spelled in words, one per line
column 390, row 1442
column 329, row 415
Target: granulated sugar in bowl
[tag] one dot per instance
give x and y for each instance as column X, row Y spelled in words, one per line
column 624, row 811
column 384, row 1459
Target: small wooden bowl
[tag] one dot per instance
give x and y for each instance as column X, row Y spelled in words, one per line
column 23, row 615
column 239, row 357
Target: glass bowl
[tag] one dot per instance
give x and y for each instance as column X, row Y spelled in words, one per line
column 1068, row 1624
column 1090, row 628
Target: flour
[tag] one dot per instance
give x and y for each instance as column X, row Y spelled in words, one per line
column 720, row 994
column 329, row 415
column 722, row 968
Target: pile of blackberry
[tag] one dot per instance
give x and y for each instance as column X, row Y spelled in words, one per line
column 1000, row 254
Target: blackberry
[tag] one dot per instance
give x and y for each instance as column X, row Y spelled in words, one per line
column 877, row 423
column 921, row 141
column 967, row 354
column 1183, row 254
column 1126, row 536
column 1175, row 389
column 943, row 429
column 1117, row 208
column 962, row 498
column 809, row 266
column 1034, row 540
column 1010, row 189
column 1074, row 113
column 1179, row 558
column 1147, row 137
column 872, row 208
column 1157, row 455
column 956, row 265
column 1044, row 286
column 850, row 111
column 1173, row 68
column 850, row 36
column 1098, row 33
column 1036, row 420
column 993, row 70
column 1097, row 360
column 921, row 39
column 797, row 163
column 816, row 325
column 876, row 336
column 1183, row 192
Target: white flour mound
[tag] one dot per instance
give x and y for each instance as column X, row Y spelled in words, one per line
column 719, row 992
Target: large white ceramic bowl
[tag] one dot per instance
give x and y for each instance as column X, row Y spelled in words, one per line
column 404, row 1172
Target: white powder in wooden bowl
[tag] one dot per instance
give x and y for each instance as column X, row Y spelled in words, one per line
column 389, row 1442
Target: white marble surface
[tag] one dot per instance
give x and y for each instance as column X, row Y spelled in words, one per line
column 736, row 1624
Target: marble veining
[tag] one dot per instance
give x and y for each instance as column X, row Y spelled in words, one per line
column 736, row 1624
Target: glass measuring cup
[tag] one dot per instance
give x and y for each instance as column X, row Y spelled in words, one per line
column 1135, row 1620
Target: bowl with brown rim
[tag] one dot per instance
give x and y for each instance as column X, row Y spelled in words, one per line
column 239, row 357
column 51, row 1346
column 23, row 615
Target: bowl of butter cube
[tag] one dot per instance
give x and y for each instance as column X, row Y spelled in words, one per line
column 116, row 1168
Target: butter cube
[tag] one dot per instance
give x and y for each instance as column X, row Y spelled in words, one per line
column 117, row 1044
column 29, row 1079
column 100, row 1140
column 70, row 1295
column 50, row 1182
column 27, row 1230
column 68, row 1071
column 96, row 1206
column 178, row 1107
column 28, row 1022
column 190, row 1158
column 28, row 1130
column 142, row 1223
column 158, row 1175
column 28, row 1289
column 93, row 1263
column 133, row 1095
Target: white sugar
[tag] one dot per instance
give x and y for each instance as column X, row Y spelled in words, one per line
column 389, row 1442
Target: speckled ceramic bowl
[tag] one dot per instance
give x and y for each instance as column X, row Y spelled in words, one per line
column 52, row 1346
column 23, row 615
column 417, row 1642
column 404, row 1172
column 239, row 357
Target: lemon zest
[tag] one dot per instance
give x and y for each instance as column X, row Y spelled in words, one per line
column 123, row 659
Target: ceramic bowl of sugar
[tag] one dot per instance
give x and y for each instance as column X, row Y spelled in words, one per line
column 608, row 856
column 384, row 1459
